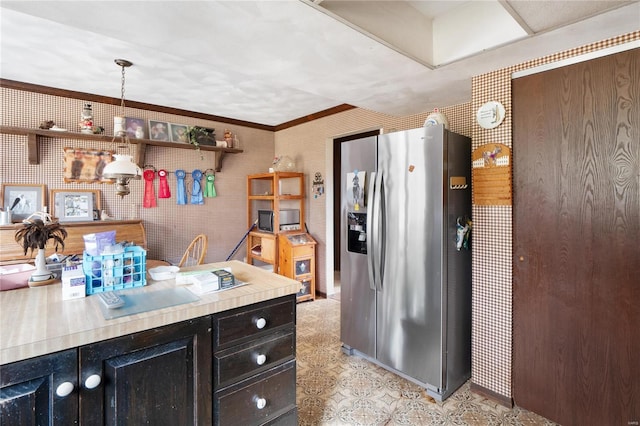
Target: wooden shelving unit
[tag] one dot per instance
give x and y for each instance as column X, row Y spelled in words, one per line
column 271, row 191
column 35, row 136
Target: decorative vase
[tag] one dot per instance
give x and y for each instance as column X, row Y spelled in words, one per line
column 41, row 273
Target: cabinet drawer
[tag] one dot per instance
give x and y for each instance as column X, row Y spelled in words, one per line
column 238, row 325
column 237, row 363
column 259, row 400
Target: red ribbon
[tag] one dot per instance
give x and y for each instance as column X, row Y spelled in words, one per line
column 149, row 195
column 163, row 191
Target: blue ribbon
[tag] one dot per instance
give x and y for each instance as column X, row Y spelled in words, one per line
column 180, row 187
column 196, row 192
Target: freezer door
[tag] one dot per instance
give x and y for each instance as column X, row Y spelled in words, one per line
column 357, row 298
column 409, row 317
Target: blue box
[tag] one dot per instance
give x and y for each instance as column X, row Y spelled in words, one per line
column 109, row 272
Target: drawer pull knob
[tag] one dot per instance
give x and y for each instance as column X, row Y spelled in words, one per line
column 261, row 323
column 260, row 402
column 92, row 381
column 64, row 389
column 261, row 359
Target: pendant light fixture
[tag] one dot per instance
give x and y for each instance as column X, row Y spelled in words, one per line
column 123, row 169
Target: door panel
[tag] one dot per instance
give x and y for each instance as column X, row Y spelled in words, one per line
column 576, row 242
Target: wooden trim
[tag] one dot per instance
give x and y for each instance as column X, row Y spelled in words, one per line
column 315, row 116
column 489, row 394
column 45, row 90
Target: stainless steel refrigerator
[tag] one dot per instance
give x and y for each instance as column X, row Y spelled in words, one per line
column 405, row 275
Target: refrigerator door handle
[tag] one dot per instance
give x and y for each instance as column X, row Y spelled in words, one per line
column 375, row 242
column 370, row 230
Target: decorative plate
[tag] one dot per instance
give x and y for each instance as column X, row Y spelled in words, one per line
column 490, row 115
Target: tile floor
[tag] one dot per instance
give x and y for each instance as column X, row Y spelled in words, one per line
column 336, row 389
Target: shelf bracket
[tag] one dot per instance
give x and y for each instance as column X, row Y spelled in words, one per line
column 219, row 155
column 32, row 148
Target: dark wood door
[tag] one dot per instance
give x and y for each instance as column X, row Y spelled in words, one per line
column 32, row 391
column 576, row 269
column 158, row 377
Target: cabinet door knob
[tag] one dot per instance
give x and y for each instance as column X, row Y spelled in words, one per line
column 92, row 381
column 261, row 323
column 260, row 402
column 64, row 389
column 261, row 359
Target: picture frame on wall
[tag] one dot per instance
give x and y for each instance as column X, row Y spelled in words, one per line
column 78, row 205
column 178, row 132
column 159, row 130
column 135, row 127
column 85, row 165
column 22, row 199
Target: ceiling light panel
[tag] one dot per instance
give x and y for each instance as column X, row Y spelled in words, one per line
column 471, row 29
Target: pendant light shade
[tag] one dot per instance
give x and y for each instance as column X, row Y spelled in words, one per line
column 122, row 170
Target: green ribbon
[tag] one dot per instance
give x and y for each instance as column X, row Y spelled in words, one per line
column 209, row 189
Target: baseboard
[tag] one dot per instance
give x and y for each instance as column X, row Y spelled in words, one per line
column 489, row 394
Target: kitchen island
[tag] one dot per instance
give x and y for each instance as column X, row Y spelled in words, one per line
column 228, row 357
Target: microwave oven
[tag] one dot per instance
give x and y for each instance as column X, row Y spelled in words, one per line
column 289, row 219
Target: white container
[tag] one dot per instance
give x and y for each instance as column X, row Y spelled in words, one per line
column 73, row 282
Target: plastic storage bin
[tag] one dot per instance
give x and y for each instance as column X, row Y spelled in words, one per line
column 109, row 272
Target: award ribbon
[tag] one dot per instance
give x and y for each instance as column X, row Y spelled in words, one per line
column 196, row 191
column 209, row 189
column 163, row 191
column 149, row 195
column 180, row 187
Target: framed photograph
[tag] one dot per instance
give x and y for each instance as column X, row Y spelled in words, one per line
column 85, row 165
column 178, row 132
column 78, row 205
column 22, row 199
column 159, row 130
column 135, row 128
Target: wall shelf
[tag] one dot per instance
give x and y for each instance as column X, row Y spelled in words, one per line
column 34, row 136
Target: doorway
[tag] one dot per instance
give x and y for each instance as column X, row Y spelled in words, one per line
column 576, row 232
column 338, row 183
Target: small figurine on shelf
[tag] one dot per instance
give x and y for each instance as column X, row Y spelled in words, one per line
column 228, row 138
column 86, row 125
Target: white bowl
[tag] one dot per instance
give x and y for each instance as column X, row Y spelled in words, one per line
column 160, row 273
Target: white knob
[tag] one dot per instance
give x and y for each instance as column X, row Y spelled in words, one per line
column 64, row 389
column 260, row 402
column 261, row 359
column 261, row 323
column 92, row 381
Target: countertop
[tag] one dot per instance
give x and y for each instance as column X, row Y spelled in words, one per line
column 36, row 321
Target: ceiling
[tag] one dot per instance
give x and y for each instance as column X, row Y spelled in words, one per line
column 271, row 62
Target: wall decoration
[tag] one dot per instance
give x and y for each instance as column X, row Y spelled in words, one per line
column 178, row 133
column 85, row 165
column 318, row 185
column 491, row 175
column 159, row 130
column 79, row 205
column 490, row 115
column 135, row 127
column 22, row 199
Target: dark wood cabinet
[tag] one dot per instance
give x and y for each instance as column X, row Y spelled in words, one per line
column 254, row 364
column 160, row 376
column 40, row 391
column 236, row 367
